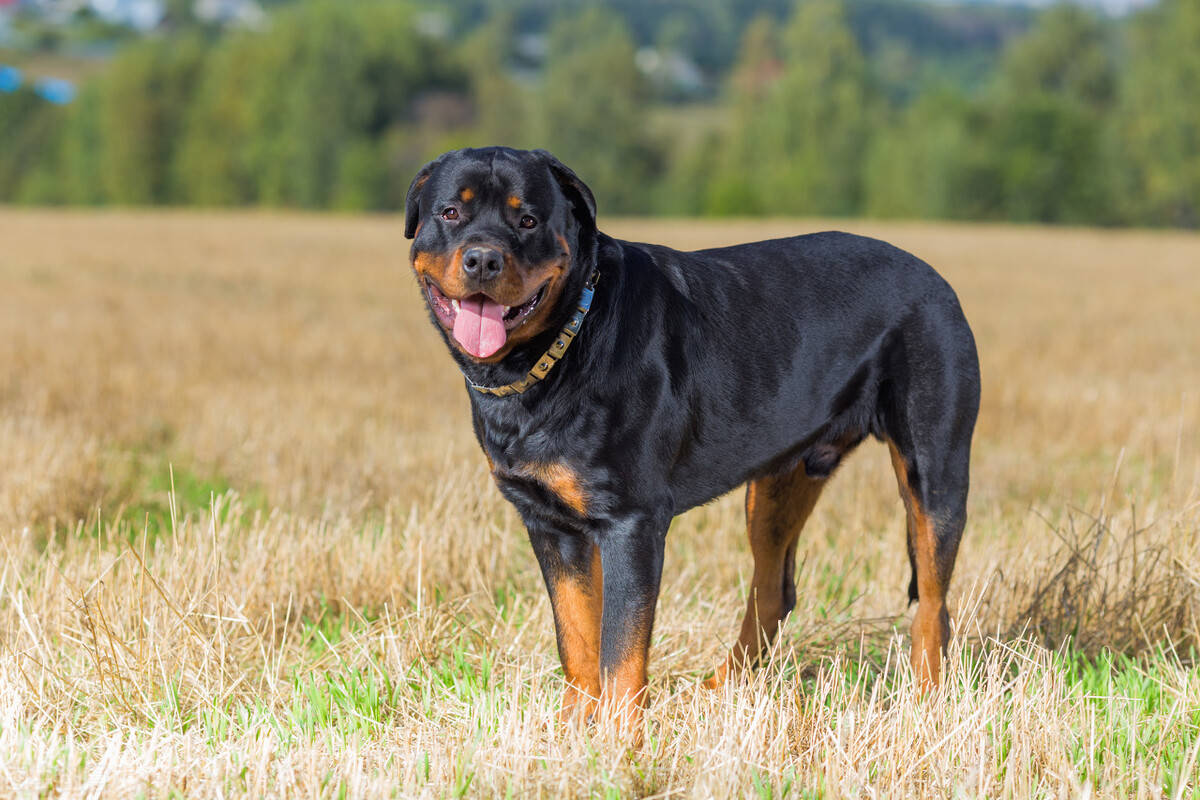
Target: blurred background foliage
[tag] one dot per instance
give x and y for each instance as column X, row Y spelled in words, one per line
column 886, row 108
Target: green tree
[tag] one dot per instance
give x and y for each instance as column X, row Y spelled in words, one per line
column 1160, row 114
column 1049, row 120
column 798, row 142
column 593, row 109
column 297, row 116
column 144, row 98
column 28, row 131
column 760, row 62
column 501, row 107
column 1049, row 162
column 180, row 13
column 80, row 159
column 1034, row 147
column 213, row 165
column 1068, row 54
column 730, row 184
column 916, row 165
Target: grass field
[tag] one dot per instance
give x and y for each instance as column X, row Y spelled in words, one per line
column 250, row 547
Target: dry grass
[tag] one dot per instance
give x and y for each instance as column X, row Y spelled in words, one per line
column 334, row 600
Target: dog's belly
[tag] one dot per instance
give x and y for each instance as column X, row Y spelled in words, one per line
column 790, row 432
column 817, row 407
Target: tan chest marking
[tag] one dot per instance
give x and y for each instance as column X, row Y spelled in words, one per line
column 561, row 480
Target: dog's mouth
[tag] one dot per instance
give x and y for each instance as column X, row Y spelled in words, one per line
column 478, row 323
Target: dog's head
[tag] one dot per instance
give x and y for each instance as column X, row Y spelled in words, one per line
column 496, row 233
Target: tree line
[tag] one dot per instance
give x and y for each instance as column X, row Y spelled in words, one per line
column 335, row 105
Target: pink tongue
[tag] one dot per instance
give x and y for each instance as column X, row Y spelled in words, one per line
column 479, row 326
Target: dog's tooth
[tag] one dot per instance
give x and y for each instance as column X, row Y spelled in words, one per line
column 454, row 305
column 507, row 309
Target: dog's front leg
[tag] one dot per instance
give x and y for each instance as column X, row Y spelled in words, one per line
column 570, row 564
column 631, row 553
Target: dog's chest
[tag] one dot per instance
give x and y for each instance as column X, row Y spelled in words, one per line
column 538, row 476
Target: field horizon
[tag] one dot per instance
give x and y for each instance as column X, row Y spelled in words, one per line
column 251, row 548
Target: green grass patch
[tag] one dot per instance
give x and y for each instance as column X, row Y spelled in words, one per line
column 150, row 484
column 1129, row 697
column 350, row 702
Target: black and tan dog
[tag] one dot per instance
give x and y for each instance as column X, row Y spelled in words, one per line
column 614, row 385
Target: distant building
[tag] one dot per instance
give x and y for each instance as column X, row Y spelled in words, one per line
column 144, row 15
column 671, row 69
column 238, row 13
column 54, row 11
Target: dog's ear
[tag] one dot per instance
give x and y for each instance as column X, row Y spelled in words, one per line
column 412, row 205
column 576, row 190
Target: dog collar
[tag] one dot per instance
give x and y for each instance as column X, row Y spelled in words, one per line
column 556, row 351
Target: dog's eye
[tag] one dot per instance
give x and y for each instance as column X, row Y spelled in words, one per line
column 528, row 222
column 450, row 213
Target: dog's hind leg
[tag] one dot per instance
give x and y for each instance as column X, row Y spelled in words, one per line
column 929, row 417
column 776, row 509
column 933, row 537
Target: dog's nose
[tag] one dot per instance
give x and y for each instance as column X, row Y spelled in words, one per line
column 482, row 263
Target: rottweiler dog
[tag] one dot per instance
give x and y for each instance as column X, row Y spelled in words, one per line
column 614, row 385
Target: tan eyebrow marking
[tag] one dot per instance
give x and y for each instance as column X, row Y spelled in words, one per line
column 467, row 195
column 514, row 201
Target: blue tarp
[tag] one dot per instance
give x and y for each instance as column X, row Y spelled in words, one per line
column 10, row 78
column 55, row 90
